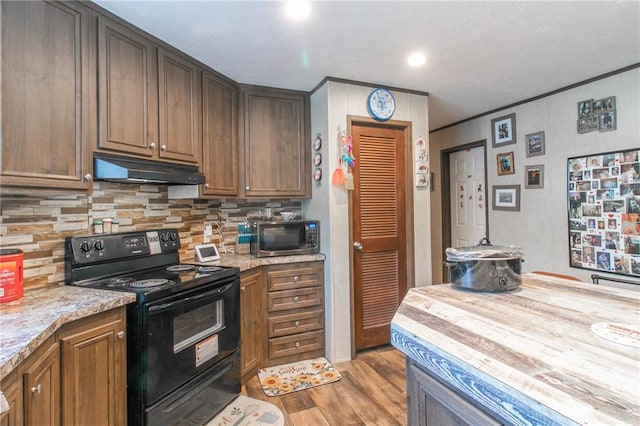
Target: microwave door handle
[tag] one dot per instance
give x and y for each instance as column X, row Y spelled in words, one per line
column 156, row 309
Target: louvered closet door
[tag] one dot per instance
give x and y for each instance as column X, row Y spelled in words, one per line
column 379, row 226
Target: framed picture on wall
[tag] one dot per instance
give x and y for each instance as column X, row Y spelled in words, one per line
column 506, row 197
column 534, row 177
column 504, row 162
column 503, row 130
column 604, row 212
column 535, row 144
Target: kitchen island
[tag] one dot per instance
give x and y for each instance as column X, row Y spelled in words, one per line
column 524, row 357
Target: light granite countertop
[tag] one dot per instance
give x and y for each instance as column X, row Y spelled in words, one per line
column 529, row 355
column 29, row 321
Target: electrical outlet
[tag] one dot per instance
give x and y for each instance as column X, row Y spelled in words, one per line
column 208, row 232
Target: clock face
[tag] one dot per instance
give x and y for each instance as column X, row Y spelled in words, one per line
column 381, row 104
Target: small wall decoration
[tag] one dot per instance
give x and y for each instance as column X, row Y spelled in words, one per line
column 504, row 162
column 422, row 167
column 597, row 115
column 534, row 177
column 317, row 143
column 535, row 144
column 506, row 197
column 503, row 130
column 604, row 212
column 317, row 158
column 342, row 175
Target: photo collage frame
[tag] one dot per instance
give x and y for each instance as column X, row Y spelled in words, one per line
column 604, row 212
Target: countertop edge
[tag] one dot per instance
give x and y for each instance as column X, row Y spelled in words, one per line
column 496, row 397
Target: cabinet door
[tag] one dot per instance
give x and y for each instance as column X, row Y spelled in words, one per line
column 431, row 403
column 251, row 331
column 94, row 370
column 128, row 91
column 42, row 386
column 12, row 389
column 47, row 78
column 179, row 104
column 276, row 144
column 219, row 131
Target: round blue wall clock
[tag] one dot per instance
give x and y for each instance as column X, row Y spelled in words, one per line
column 381, row 104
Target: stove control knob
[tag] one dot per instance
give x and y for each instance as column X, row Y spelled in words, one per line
column 164, row 238
column 99, row 245
column 173, row 236
column 85, row 247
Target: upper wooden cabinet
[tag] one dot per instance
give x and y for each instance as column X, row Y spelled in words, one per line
column 179, row 107
column 48, row 110
column 128, row 90
column 276, row 142
column 219, row 133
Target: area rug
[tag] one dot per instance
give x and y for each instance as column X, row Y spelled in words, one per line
column 287, row 378
column 245, row 411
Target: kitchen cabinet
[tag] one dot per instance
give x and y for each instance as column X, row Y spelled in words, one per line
column 179, row 108
column 41, row 379
column 48, row 102
column 430, row 403
column 76, row 377
column 93, row 370
column 219, row 133
column 276, row 142
column 251, row 331
column 295, row 312
column 128, row 90
column 11, row 386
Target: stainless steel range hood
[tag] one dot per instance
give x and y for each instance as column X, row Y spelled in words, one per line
column 131, row 170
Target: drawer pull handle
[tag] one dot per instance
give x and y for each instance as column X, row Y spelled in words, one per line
column 297, row 344
column 295, row 299
column 297, row 323
column 37, row 389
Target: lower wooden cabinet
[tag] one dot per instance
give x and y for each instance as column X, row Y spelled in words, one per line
column 295, row 312
column 251, row 314
column 430, row 403
column 76, row 377
column 94, row 370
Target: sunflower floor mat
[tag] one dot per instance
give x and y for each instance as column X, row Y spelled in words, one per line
column 296, row 376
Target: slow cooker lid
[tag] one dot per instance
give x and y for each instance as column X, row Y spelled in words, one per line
column 484, row 250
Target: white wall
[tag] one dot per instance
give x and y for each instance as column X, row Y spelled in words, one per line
column 330, row 106
column 541, row 225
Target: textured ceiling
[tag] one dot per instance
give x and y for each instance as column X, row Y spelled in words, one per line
column 480, row 55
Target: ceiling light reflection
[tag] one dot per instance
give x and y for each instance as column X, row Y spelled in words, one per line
column 416, row 59
column 297, row 10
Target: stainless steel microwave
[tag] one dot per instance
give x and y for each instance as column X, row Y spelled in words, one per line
column 281, row 238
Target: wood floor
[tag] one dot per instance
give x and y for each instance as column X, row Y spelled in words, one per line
column 372, row 391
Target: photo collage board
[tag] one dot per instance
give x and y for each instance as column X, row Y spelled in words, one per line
column 604, row 212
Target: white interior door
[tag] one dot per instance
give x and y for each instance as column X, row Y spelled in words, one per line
column 468, row 197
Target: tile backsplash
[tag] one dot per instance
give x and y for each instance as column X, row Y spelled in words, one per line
column 38, row 223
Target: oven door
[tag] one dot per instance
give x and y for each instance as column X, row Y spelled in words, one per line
column 187, row 333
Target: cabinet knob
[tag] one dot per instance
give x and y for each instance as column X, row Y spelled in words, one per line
column 152, row 145
column 296, row 278
column 37, row 389
column 206, row 185
column 88, row 177
column 297, row 323
column 120, row 334
column 295, row 299
column 247, row 188
column 297, row 344
column 242, row 289
column 163, row 147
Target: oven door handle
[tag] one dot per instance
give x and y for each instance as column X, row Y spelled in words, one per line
column 171, row 305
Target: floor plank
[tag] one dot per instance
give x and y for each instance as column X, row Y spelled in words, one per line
column 372, row 391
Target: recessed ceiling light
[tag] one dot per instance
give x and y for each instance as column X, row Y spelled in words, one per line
column 416, row 59
column 297, row 10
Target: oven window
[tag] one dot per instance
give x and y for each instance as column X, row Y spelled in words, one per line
column 194, row 325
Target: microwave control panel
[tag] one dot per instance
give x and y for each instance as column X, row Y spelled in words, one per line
column 311, row 231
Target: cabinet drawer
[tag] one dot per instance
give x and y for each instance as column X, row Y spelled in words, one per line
column 284, row 277
column 296, row 344
column 283, row 325
column 292, row 299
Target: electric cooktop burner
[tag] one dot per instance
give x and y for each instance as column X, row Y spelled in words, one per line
column 148, row 283
column 206, row 269
column 117, row 281
column 180, row 268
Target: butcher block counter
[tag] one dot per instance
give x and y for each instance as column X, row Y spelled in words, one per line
column 527, row 356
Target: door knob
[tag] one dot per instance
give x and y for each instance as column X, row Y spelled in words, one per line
column 357, row 245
